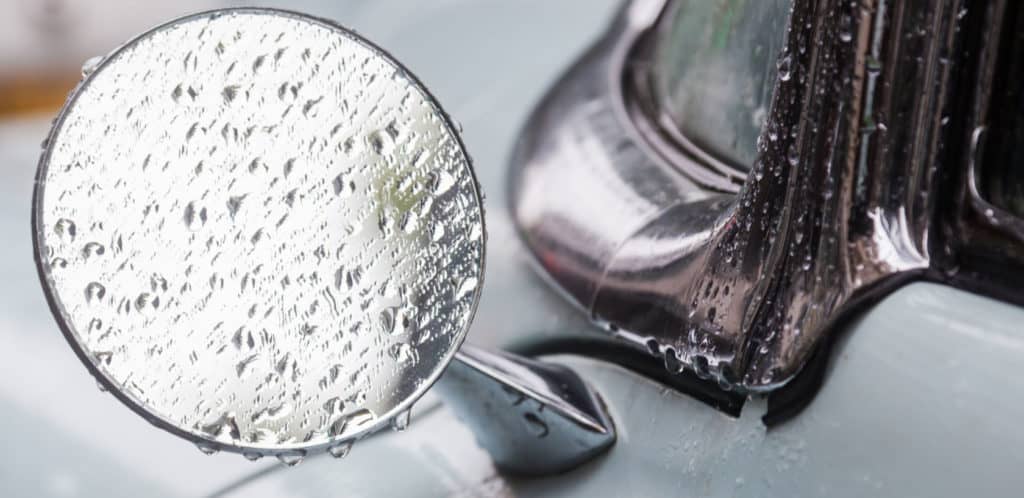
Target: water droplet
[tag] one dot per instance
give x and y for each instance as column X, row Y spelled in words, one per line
column 672, row 363
column 206, row 448
column 195, row 217
column 103, row 357
column 653, row 347
column 229, row 93
column 157, row 283
column 234, row 204
column 94, row 291
column 93, row 249
column 467, row 286
column 91, row 64
column 387, row 320
column 535, row 425
column 845, row 31
column 65, row 229
column 380, row 142
column 401, row 420
column 793, row 155
column 784, row 67
column 403, row 353
column 340, row 449
column 291, row 458
column 252, row 456
column 240, row 367
column 440, row 181
column 145, row 301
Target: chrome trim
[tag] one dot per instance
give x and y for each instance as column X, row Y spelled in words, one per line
column 534, row 418
column 744, row 288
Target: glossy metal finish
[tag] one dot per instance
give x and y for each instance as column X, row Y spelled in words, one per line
column 534, row 418
column 835, row 210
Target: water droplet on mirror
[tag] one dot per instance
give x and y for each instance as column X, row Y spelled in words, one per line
column 65, row 230
column 340, row 450
column 403, row 353
column 291, row 458
column 93, row 249
column 94, row 291
column 195, row 216
column 401, row 420
column 90, row 65
column 206, row 448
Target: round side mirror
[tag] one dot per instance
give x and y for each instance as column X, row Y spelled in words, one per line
column 259, row 231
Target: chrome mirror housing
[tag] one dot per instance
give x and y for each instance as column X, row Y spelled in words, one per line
column 261, row 233
column 741, row 283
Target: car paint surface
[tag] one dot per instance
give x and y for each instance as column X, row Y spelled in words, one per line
column 903, row 412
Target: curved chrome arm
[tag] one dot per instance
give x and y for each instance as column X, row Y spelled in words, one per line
column 534, row 418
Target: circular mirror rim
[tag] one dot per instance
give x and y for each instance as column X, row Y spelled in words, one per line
column 103, row 379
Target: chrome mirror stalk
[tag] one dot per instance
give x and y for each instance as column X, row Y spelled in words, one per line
column 534, row 418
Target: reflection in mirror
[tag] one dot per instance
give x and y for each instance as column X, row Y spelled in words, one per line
column 259, row 232
column 715, row 67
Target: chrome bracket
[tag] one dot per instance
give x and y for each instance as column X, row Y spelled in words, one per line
column 535, row 418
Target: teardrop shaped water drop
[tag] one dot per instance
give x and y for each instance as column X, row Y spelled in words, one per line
column 206, row 448
column 291, row 458
column 785, row 68
column 401, row 421
column 340, row 450
column 91, row 64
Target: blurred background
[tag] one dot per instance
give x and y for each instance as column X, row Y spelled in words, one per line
column 487, row 61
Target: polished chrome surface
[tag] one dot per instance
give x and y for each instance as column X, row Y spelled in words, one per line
column 836, row 209
column 259, row 232
column 582, row 179
column 534, row 418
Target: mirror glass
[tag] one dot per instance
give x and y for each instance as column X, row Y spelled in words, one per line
column 716, row 63
column 259, row 231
